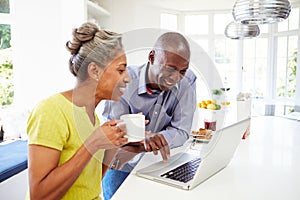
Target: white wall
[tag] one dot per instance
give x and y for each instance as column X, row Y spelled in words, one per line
column 40, row 58
column 128, row 15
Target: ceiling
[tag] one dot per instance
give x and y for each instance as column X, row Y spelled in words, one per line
column 192, row 5
column 195, row 5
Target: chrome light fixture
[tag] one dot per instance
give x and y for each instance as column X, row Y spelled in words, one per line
column 235, row 30
column 261, row 11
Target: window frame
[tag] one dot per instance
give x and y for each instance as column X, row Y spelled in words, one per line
column 8, row 18
column 271, row 35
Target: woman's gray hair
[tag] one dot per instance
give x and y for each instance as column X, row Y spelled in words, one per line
column 91, row 44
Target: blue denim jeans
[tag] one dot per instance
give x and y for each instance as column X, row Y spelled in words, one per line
column 112, row 181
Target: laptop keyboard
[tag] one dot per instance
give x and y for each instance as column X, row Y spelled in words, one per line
column 184, row 172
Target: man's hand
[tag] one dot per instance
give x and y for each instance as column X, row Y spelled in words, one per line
column 157, row 142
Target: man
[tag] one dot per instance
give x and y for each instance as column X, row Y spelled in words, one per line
column 164, row 90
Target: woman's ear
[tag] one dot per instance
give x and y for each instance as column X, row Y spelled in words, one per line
column 94, row 71
column 151, row 56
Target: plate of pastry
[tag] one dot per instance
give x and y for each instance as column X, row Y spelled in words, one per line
column 202, row 135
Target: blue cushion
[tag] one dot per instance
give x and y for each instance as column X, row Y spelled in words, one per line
column 13, row 158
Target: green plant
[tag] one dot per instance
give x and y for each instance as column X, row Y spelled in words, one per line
column 5, row 36
column 217, row 92
column 4, row 6
column 6, row 86
column 291, row 81
column 292, row 68
column 6, row 66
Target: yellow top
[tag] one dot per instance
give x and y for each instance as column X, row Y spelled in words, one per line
column 59, row 124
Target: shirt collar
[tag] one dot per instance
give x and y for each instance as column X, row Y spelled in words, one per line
column 142, row 81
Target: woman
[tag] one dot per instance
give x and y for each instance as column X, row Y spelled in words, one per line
column 66, row 143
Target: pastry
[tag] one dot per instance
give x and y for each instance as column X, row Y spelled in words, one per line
column 202, row 134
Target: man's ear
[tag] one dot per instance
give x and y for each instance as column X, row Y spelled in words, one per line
column 151, row 56
column 94, row 71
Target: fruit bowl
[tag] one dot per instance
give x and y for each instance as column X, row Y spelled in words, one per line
column 210, row 104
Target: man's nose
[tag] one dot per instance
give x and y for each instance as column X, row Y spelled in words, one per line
column 176, row 76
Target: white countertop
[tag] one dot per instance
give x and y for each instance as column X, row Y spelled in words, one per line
column 265, row 166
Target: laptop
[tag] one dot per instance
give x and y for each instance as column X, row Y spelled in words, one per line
column 188, row 169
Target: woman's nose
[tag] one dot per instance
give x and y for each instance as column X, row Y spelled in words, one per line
column 126, row 78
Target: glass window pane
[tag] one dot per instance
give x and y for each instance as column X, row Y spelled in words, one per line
column 282, row 47
column 260, row 76
column 220, row 22
column 283, row 25
column 5, row 36
column 281, row 67
column 6, row 66
column 261, row 66
column 293, row 44
column 264, row 28
column 255, row 65
column 4, row 6
column 248, row 63
column 291, row 23
column 203, row 44
column 219, row 56
column 248, row 75
column 201, row 84
column 249, row 49
column 168, row 21
column 196, row 24
column 225, row 60
column 261, row 50
column 281, row 77
column 292, row 63
column 294, row 19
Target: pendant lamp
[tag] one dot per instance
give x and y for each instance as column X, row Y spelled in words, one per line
column 235, row 30
column 261, row 11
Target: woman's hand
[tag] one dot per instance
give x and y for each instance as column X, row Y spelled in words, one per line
column 123, row 154
column 114, row 133
column 107, row 136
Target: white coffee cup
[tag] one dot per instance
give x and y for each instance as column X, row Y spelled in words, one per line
column 135, row 126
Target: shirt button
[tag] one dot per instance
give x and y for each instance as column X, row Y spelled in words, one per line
column 155, row 113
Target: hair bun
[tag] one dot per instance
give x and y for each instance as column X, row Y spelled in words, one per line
column 85, row 32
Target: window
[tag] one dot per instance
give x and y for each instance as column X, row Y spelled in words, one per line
column 4, row 6
column 211, row 38
column 168, row 21
column 291, row 23
column 263, row 28
column 286, row 56
column 203, row 43
column 255, row 66
column 225, row 60
column 268, row 61
column 220, row 22
column 286, row 66
column 6, row 66
column 196, row 24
